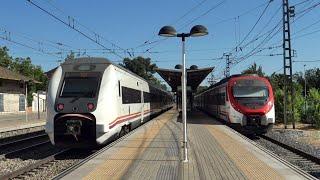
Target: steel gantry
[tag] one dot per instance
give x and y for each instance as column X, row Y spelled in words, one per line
column 287, row 64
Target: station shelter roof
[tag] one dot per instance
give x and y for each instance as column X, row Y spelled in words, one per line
column 194, row 77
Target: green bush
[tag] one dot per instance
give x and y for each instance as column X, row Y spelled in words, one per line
column 278, row 103
column 313, row 109
column 298, row 104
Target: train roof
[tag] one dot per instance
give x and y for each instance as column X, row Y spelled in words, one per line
column 224, row 80
column 100, row 60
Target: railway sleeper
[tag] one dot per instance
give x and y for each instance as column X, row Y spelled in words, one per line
column 315, row 167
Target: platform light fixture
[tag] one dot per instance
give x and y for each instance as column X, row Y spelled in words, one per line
column 196, row 31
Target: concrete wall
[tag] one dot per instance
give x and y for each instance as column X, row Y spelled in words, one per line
column 42, row 102
column 11, row 102
column 10, row 92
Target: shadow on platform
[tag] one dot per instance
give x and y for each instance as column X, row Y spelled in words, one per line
column 197, row 117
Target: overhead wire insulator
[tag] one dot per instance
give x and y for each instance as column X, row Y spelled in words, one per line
column 292, row 11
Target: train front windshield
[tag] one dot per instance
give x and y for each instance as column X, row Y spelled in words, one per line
column 252, row 93
column 80, row 87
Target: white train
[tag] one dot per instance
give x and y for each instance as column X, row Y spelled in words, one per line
column 92, row 101
column 243, row 101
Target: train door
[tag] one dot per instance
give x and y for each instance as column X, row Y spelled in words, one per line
column 121, row 109
column 142, row 101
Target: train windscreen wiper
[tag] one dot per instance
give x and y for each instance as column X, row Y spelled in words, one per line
column 85, row 94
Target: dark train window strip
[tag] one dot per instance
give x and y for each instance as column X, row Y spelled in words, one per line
column 130, row 95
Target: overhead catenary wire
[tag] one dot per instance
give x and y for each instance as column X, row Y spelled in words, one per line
column 302, row 2
column 306, row 10
column 86, row 27
column 151, row 41
column 39, row 42
column 186, row 24
column 242, row 14
column 255, row 24
column 306, row 61
column 272, row 33
column 188, row 12
column 257, row 37
column 27, row 46
column 74, row 28
column 203, row 14
column 256, row 51
column 253, row 52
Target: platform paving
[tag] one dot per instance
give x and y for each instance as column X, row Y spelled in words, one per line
column 155, row 152
column 12, row 121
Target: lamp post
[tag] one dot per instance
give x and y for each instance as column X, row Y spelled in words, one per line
column 168, row 31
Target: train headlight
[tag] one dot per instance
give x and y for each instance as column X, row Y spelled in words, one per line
column 60, row 107
column 90, row 106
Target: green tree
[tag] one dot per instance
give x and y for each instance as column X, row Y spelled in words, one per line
column 5, row 59
column 312, row 78
column 278, row 103
column 276, row 81
column 143, row 68
column 24, row 67
column 254, row 69
column 298, row 102
column 313, row 110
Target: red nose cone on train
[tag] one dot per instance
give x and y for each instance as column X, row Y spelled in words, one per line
column 251, row 95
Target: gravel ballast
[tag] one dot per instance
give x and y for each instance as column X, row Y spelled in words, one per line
column 289, row 138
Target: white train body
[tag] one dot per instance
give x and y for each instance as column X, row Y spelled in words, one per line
column 245, row 102
column 91, row 101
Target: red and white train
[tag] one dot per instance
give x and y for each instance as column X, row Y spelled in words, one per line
column 243, row 101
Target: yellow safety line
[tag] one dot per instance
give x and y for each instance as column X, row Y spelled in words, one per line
column 118, row 163
column 250, row 165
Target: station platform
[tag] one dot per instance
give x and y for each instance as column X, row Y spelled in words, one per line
column 155, row 151
column 16, row 121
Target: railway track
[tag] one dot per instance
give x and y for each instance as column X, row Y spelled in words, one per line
column 303, row 160
column 58, row 163
column 19, row 141
column 17, row 154
column 20, row 131
column 26, row 170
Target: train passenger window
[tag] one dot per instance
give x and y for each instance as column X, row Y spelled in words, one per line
column 130, row 95
column 146, row 97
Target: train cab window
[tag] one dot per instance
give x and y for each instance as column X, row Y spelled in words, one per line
column 250, row 93
column 130, row 95
column 79, row 87
column 250, row 89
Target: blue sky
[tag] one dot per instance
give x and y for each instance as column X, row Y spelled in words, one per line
column 132, row 26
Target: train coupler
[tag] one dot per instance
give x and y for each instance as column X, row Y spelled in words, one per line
column 74, row 128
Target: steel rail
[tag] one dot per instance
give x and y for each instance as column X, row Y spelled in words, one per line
column 10, row 143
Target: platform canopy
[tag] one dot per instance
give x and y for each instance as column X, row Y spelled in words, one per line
column 194, row 77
